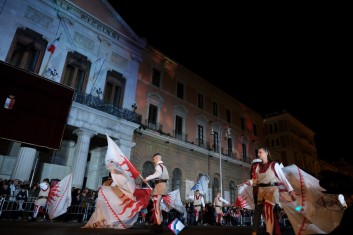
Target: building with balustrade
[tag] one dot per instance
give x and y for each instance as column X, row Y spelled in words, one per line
column 141, row 98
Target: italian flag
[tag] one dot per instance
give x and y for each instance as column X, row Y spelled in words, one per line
column 53, row 45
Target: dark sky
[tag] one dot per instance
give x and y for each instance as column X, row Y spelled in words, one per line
column 295, row 58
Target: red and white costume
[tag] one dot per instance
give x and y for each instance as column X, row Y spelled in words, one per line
column 218, row 203
column 268, row 177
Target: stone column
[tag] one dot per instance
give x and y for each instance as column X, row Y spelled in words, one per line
column 94, row 178
column 24, row 163
column 125, row 147
column 80, row 157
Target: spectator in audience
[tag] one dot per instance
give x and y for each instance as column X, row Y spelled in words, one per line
column 22, row 197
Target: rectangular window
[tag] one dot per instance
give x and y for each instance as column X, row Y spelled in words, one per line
column 152, row 116
column 276, row 128
column 200, row 136
column 254, row 129
column 215, row 109
column 244, row 152
column 242, row 123
column 215, row 141
column 228, row 115
column 200, row 101
column 156, row 77
column 114, row 89
column 270, row 129
column 180, row 90
column 76, row 71
column 230, row 146
column 178, row 127
column 27, row 50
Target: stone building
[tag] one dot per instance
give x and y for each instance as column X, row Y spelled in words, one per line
column 141, row 98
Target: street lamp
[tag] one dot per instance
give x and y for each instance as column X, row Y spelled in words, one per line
column 219, row 143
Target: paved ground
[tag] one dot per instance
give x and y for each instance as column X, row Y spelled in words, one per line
column 73, row 228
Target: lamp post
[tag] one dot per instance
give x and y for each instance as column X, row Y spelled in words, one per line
column 219, row 142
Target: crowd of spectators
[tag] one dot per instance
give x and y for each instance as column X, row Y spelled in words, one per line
column 15, row 194
column 17, row 199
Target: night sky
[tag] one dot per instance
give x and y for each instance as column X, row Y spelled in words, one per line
column 293, row 59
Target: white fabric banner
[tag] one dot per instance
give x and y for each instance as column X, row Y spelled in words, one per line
column 59, row 198
column 115, row 210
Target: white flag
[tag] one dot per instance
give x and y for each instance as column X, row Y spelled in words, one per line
column 173, row 200
column 115, row 210
column 202, row 184
column 122, row 171
column 59, row 198
column 318, row 212
column 245, row 197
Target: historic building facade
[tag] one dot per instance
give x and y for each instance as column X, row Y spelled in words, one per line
column 144, row 100
column 192, row 124
column 291, row 142
column 98, row 55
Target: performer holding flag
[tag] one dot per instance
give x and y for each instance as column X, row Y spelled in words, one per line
column 119, row 201
column 199, row 206
column 199, row 189
column 160, row 177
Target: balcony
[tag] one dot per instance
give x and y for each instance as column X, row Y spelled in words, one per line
column 180, row 135
column 96, row 103
column 200, row 142
column 152, row 125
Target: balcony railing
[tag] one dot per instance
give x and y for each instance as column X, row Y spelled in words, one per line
column 155, row 126
column 180, row 135
column 200, row 142
column 96, row 103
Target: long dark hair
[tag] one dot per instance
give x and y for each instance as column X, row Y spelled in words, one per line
column 269, row 156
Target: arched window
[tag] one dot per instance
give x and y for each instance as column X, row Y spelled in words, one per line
column 215, row 186
column 232, row 191
column 176, row 180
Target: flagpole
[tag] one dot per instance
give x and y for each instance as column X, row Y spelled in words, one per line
column 51, row 54
column 96, row 78
column 139, row 173
column 46, row 66
column 146, row 182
